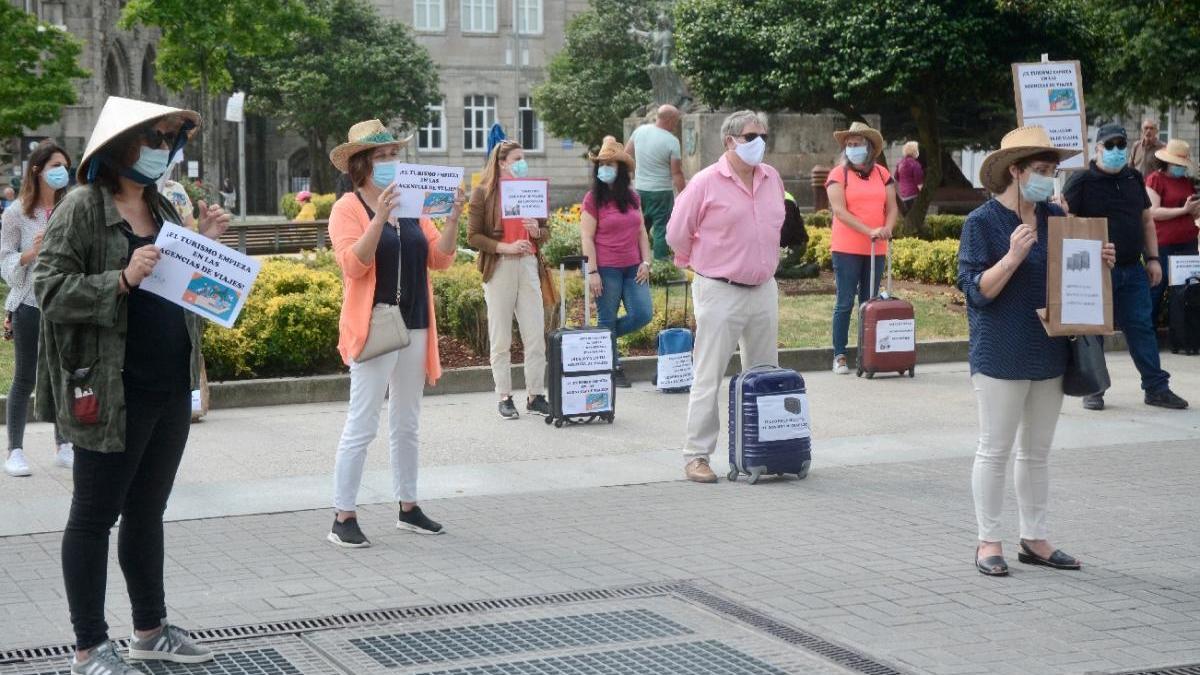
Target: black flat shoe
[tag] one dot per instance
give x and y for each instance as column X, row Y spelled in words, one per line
column 1058, row 560
column 993, row 566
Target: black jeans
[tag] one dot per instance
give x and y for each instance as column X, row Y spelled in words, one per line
column 26, row 326
column 134, row 485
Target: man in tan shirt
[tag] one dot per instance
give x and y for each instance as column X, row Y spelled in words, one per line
column 1141, row 155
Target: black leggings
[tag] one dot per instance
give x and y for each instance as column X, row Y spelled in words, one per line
column 26, row 325
column 134, row 485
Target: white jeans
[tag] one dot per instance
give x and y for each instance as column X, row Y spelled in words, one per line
column 727, row 316
column 1025, row 412
column 516, row 289
column 403, row 372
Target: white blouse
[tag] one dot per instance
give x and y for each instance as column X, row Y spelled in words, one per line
column 16, row 236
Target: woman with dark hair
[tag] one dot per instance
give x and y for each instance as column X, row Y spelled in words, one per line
column 119, row 366
column 617, row 247
column 44, row 186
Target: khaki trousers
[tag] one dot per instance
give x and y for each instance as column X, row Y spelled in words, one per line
column 515, row 289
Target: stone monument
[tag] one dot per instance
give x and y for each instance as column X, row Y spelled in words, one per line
column 666, row 84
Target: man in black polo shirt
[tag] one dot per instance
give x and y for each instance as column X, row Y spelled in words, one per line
column 1112, row 189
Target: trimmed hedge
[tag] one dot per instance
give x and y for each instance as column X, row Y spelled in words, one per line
column 931, row 262
column 938, row 226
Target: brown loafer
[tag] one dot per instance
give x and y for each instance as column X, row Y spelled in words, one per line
column 698, row 471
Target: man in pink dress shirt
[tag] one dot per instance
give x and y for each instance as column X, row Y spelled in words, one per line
column 725, row 227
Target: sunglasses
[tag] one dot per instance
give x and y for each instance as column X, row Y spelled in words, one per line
column 155, row 138
column 751, row 136
column 1118, row 143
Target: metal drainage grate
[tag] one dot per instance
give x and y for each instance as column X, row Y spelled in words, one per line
column 513, row 637
column 244, row 662
column 690, row 658
column 843, row 656
column 1189, row 669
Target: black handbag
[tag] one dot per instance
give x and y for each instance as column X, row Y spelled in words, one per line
column 1087, row 373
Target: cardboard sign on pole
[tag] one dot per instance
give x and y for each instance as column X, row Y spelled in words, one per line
column 1050, row 95
column 1078, row 284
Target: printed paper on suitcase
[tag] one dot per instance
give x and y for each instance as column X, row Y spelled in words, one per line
column 783, row 417
column 674, row 370
column 896, row 335
column 586, row 351
column 588, row 394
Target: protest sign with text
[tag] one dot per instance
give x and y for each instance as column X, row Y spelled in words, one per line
column 1078, row 287
column 201, row 275
column 524, row 198
column 425, row 190
column 1050, row 95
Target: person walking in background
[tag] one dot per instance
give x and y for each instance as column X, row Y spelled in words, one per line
column 1175, row 207
column 384, row 261
column 910, row 176
column 24, row 224
column 1111, row 189
column 228, row 195
column 726, row 228
column 119, row 365
column 1016, row 369
column 7, row 197
column 614, row 238
column 862, row 196
column 513, row 276
column 308, row 210
column 1141, row 156
column 659, row 173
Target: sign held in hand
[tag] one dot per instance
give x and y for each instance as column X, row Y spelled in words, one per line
column 201, row 275
column 524, row 198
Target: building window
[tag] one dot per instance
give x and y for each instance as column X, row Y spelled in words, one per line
column 529, row 128
column 479, row 113
column 429, row 15
column 432, row 136
column 478, row 16
column 529, row 16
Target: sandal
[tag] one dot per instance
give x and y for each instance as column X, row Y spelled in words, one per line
column 992, row 566
column 1057, row 560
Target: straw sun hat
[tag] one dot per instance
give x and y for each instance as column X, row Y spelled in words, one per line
column 366, row 135
column 612, row 151
column 1015, row 146
column 122, row 114
column 864, row 130
column 1177, row 152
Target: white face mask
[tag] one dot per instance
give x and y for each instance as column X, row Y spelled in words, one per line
column 751, row 152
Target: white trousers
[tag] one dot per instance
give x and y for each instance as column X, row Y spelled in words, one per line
column 403, row 372
column 727, row 316
column 516, row 289
column 1025, row 412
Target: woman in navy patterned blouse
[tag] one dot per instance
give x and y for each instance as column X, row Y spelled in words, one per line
column 1016, row 369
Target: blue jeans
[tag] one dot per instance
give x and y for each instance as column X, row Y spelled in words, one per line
column 1131, row 310
column 620, row 285
column 1165, row 252
column 851, row 274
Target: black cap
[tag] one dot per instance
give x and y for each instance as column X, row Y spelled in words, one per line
column 1110, row 131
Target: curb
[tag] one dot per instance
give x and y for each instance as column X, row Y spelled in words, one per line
column 477, row 379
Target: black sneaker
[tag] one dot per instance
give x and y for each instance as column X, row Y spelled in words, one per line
column 507, row 410
column 416, row 521
column 347, row 535
column 619, row 379
column 1093, row 402
column 538, row 406
column 1165, row 398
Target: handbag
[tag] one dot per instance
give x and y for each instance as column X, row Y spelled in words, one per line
column 1087, row 373
column 388, row 333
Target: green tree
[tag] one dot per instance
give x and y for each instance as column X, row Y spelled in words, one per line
column 200, row 38
column 360, row 67
column 599, row 76
column 937, row 69
column 37, row 69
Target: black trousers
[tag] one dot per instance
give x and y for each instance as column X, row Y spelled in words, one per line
column 26, row 326
column 134, row 485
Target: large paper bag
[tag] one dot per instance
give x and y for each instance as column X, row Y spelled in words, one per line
column 1078, row 283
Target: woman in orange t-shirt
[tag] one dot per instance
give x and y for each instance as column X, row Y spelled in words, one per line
column 862, row 196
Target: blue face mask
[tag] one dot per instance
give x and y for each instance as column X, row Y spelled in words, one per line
column 1038, row 188
column 856, row 154
column 1178, row 171
column 519, row 168
column 382, row 174
column 607, row 174
column 1114, row 159
column 57, row 178
column 152, row 163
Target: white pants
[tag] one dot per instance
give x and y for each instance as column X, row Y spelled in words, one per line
column 516, row 289
column 403, row 372
column 1024, row 411
column 727, row 316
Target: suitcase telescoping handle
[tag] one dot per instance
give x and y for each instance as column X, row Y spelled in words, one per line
column 667, row 301
column 888, row 292
column 580, row 261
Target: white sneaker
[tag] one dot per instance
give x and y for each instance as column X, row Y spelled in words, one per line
column 65, row 457
column 839, row 365
column 16, row 464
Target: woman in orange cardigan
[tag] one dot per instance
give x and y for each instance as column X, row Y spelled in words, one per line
column 384, row 260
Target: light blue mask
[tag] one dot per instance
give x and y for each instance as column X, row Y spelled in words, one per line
column 607, row 174
column 57, row 178
column 152, row 163
column 382, row 174
column 1114, row 159
column 1178, row 171
column 857, row 154
column 519, row 168
column 1038, row 188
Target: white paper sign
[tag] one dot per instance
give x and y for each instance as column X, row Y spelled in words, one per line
column 674, row 371
column 896, row 335
column 1184, row 267
column 1082, row 285
column 197, row 401
column 587, row 394
column 783, row 417
column 582, row 352
column 1048, row 89
column 235, row 107
column 201, row 275
column 1064, row 132
column 524, row 198
column 426, row 190
column 193, row 168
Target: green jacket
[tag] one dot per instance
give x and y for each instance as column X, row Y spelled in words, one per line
column 82, row 341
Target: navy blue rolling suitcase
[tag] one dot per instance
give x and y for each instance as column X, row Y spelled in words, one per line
column 769, row 424
column 673, row 374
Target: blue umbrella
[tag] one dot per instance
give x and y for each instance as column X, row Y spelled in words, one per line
column 495, row 135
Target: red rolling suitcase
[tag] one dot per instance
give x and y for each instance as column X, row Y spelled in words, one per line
column 887, row 331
